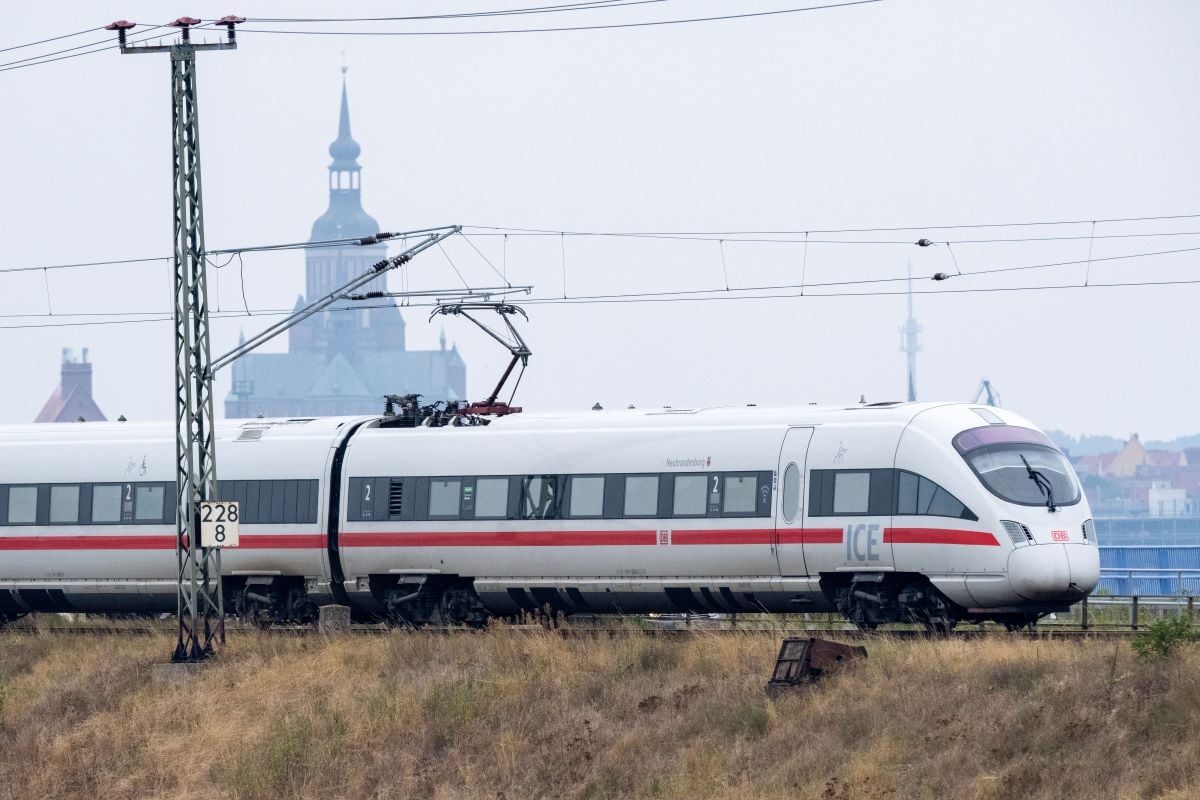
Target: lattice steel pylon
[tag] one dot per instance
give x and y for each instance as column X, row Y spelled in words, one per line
column 200, row 601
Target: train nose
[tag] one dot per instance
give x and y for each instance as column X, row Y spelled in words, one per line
column 1054, row 572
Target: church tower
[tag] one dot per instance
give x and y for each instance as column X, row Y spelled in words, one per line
column 346, row 358
column 378, row 326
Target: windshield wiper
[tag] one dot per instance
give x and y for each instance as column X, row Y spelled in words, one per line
column 1042, row 483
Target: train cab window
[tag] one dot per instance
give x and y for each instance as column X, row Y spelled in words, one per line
column 641, row 496
column 587, row 497
column 64, row 505
column 917, row 495
column 691, row 496
column 22, row 505
column 106, row 503
column 149, row 505
column 491, row 498
column 444, row 497
column 539, row 497
column 851, row 492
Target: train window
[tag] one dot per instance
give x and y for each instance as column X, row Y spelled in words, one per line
column 851, row 492
column 64, row 504
column 855, row 492
column 149, row 506
column 106, row 503
column 917, row 495
column 791, row 493
column 906, row 502
column 741, row 494
column 641, row 496
column 22, row 505
column 444, row 497
column 539, row 497
column 279, row 502
column 291, row 501
column 691, row 496
column 587, row 497
column 491, row 498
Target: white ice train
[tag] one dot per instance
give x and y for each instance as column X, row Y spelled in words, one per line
column 932, row 512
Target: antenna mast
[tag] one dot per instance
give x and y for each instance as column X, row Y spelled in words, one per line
column 909, row 344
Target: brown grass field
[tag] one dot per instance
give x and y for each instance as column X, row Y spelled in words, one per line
column 517, row 714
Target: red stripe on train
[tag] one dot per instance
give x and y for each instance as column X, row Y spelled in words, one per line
column 552, row 538
column 729, row 536
column 283, row 541
column 747, row 536
column 938, row 536
column 496, row 538
column 810, row 536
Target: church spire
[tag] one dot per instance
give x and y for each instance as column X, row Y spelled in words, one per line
column 345, row 169
column 344, row 149
column 345, row 217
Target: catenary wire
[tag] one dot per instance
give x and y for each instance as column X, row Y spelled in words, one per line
column 696, row 294
column 748, row 239
column 491, row 230
column 582, row 6
column 99, row 48
column 51, row 39
column 106, row 44
column 571, row 28
column 633, row 300
column 803, row 231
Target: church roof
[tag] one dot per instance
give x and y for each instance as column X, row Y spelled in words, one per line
column 301, row 377
column 339, row 378
column 69, row 408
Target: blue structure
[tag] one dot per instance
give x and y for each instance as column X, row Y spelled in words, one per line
column 1149, row 571
column 346, row 358
column 1148, row 531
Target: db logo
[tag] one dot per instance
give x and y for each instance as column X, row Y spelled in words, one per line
column 1060, row 536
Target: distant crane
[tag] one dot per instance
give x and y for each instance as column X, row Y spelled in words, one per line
column 987, row 394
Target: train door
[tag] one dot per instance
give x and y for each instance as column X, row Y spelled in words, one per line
column 850, row 498
column 789, row 516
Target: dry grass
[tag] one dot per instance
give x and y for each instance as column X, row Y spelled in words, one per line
column 519, row 715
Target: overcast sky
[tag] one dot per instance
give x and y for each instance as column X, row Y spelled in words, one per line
column 896, row 113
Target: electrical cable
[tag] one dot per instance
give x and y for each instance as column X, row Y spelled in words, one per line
column 582, row 6
column 99, row 48
column 700, row 294
column 486, row 260
column 572, row 28
column 646, row 299
column 450, row 261
column 51, row 39
column 978, row 225
column 86, row 264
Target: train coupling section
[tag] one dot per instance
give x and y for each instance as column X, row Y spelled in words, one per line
column 805, row 661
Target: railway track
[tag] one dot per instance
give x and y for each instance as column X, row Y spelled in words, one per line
column 620, row 629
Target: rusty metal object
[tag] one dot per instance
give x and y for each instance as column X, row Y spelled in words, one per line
column 804, row 661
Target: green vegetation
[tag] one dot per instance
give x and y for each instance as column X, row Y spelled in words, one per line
column 1164, row 636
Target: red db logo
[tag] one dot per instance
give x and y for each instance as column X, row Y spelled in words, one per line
column 1060, row 536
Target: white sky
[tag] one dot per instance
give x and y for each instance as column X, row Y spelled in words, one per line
column 898, row 113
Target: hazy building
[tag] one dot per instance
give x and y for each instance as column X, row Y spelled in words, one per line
column 343, row 361
column 72, row 400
